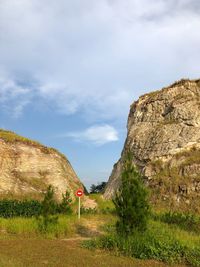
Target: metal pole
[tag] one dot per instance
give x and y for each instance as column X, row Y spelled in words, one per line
column 79, row 207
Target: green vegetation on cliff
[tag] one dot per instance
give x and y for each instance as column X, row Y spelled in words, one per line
column 177, row 178
column 11, row 137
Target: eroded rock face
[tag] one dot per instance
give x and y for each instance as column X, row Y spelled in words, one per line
column 164, row 137
column 26, row 170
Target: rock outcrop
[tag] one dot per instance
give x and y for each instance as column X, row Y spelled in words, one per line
column 164, row 138
column 27, row 168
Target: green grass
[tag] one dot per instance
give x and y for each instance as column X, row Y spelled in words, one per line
column 170, row 180
column 161, row 242
column 28, row 227
column 104, row 206
column 66, row 253
column 185, row 221
column 22, row 245
column 67, row 226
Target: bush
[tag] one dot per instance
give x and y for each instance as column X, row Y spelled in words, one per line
column 30, row 208
column 14, row 208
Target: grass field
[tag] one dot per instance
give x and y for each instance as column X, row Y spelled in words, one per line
column 67, row 243
column 66, row 253
column 22, row 245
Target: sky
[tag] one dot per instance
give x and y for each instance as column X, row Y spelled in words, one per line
column 69, row 70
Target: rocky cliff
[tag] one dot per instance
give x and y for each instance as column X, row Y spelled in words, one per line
column 27, row 168
column 164, row 138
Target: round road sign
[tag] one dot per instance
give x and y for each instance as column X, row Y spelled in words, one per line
column 79, row 192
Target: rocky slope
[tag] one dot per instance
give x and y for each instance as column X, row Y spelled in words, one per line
column 27, row 168
column 164, row 138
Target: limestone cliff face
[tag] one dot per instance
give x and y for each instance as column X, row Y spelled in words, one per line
column 164, row 137
column 27, row 168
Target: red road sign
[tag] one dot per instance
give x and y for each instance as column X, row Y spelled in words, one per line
column 79, row 193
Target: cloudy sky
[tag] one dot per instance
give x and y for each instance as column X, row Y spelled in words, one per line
column 69, row 70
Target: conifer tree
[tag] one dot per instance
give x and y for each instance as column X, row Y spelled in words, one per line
column 49, row 203
column 64, row 207
column 48, row 211
column 131, row 200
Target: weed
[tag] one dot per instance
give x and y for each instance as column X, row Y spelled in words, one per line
column 185, row 221
column 159, row 242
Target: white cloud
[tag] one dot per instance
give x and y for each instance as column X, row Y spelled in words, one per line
column 94, row 57
column 13, row 97
column 18, row 109
column 97, row 134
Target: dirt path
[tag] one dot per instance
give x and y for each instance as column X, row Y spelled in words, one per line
column 89, row 203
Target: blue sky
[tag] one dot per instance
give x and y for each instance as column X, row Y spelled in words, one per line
column 69, row 70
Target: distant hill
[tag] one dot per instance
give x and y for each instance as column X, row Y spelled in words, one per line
column 164, row 138
column 27, row 168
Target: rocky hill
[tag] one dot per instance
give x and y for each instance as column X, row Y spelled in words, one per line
column 164, row 138
column 27, row 168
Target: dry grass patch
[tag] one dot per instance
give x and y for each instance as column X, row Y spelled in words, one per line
column 40, row 253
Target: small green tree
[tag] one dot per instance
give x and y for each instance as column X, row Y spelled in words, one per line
column 64, row 207
column 131, row 201
column 48, row 211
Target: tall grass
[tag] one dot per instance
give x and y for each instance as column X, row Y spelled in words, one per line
column 66, row 226
column 185, row 221
column 29, row 227
column 159, row 242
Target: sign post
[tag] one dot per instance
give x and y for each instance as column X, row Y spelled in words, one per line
column 79, row 193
